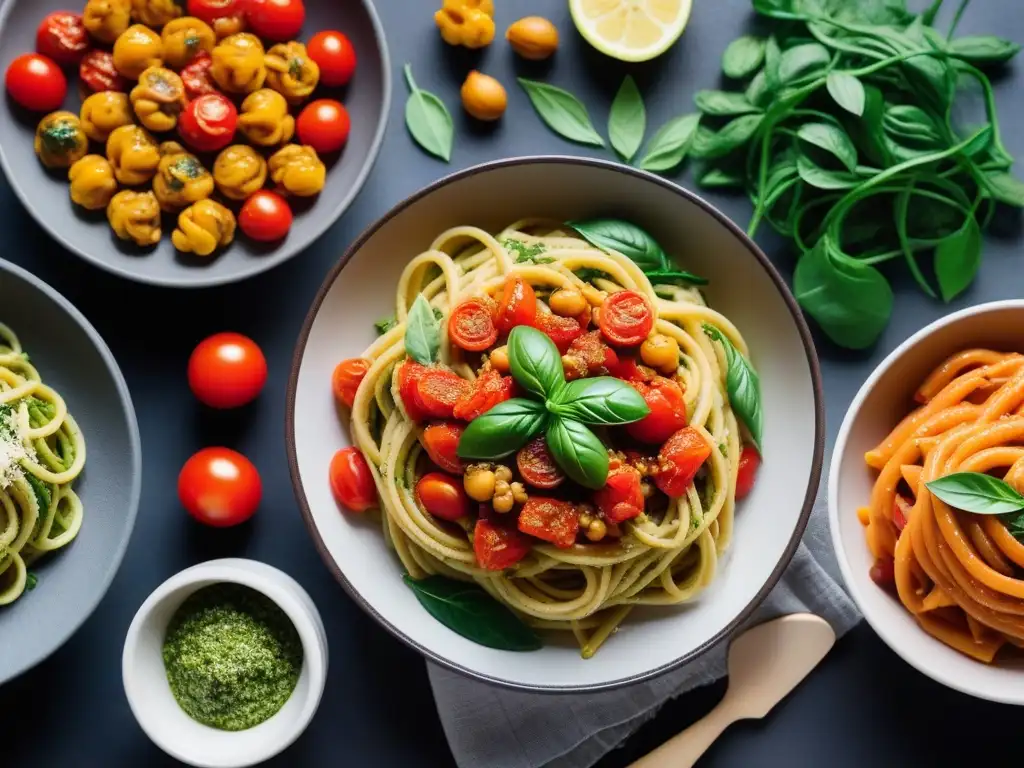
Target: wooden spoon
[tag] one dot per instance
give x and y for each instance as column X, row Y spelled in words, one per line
column 765, row 664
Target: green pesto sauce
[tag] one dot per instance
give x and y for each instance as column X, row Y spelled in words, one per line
column 232, row 657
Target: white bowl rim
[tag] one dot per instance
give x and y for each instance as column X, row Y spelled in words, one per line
column 852, row 580
column 759, row 256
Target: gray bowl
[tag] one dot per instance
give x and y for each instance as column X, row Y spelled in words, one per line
column 72, row 358
column 45, row 193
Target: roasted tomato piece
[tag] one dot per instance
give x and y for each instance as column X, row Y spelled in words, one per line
column 668, row 411
column 442, row 496
column 537, row 465
column 750, row 460
column 409, row 374
column 62, row 37
column 498, row 547
column 98, row 72
column 550, row 520
column 441, row 442
column 625, row 368
column 347, row 377
column 562, row 330
column 471, row 326
column 437, row 392
column 901, row 507
column 678, row 461
column 883, row 572
column 489, row 389
column 626, row 318
column 517, row 305
column 594, row 356
column 621, row 498
column 196, row 76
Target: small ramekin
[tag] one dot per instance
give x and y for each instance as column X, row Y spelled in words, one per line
column 149, row 694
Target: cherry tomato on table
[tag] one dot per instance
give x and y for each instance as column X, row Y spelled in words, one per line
column 265, row 216
column 678, row 461
column 537, row 465
column 324, row 125
column 208, row 122
column 334, row 54
column 277, row 20
column 489, row 389
column 347, row 377
column 196, row 76
column 98, row 72
column 351, row 481
column 442, row 496
column 227, row 370
column 36, row 82
column 626, row 318
column 62, row 37
column 441, row 442
column 220, row 487
column 471, row 327
column 750, row 460
column 664, row 398
column 517, row 304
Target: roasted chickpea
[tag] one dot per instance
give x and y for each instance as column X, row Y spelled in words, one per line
column 92, row 182
column 534, row 38
column 479, row 484
column 597, row 530
column 138, row 49
column 504, row 502
column 567, row 302
column 501, row 487
column 661, row 352
column 466, row 22
column 519, row 493
column 573, row 367
column 503, row 473
column 483, row 97
column 499, row 360
column 585, row 520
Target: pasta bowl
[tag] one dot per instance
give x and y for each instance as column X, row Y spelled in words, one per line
column 742, row 286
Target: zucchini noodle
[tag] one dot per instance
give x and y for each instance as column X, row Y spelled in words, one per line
column 42, row 452
column 665, row 556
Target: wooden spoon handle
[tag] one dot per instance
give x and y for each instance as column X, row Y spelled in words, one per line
column 685, row 748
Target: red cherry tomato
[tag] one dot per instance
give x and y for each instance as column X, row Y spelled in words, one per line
column 196, row 76
column 36, row 82
column 220, row 487
column 347, row 377
column 594, row 356
column 668, row 411
column 517, row 306
column 621, row 498
column 489, row 389
column 883, row 573
column 537, row 465
column 497, row 547
column 441, row 442
column 409, row 374
column 265, row 216
column 626, row 318
column 550, row 520
column 227, row 370
column 678, row 461
column 208, row 123
column 471, row 327
column 62, row 37
column 98, row 72
column 211, row 10
column 442, row 496
column 323, row 125
column 351, row 481
column 437, row 392
column 750, row 460
column 277, row 20
column 334, row 54
column 561, row 330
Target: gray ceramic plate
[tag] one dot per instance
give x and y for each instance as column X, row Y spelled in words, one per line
column 45, row 194
column 72, row 358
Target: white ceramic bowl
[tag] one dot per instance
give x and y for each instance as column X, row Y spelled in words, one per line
column 150, row 697
column 743, row 285
column 884, row 399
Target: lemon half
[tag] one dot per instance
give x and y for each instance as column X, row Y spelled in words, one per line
column 631, row 30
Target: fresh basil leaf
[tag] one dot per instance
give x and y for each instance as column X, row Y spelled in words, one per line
column 911, row 122
column 718, row 178
column 731, row 136
column 957, row 259
column 422, row 332
column 743, row 56
column 668, row 147
column 674, row 276
column 803, row 60
column 628, row 239
column 758, row 92
column 772, row 60
column 831, row 139
column 627, row 120
column 31, row 581
column 534, row 361
column 428, row 120
column 466, row 609
column 742, row 385
column 723, row 103
column 502, row 430
column 578, row 451
column 600, row 400
column 384, row 325
column 1006, row 188
column 588, row 275
column 847, row 91
column 983, row 50
column 977, row 492
column 562, row 112
column 823, row 178
column 777, row 9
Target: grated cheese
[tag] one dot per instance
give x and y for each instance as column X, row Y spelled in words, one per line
column 12, row 447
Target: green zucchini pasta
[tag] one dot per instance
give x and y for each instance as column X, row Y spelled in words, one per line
column 42, row 452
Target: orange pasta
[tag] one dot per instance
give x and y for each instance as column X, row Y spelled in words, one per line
column 958, row 573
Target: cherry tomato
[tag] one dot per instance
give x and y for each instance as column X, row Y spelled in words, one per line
column 626, row 369
column 442, row 496
column 678, row 461
column 550, row 520
column 437, row 392
column 208, row 123
column 62, row 37
column 211, row 10
column 347, row 377
column 471, row 327
column 409, row 374
column 497, row 547
column 334, row 54
column 561, row 330
column 901, row 505
column 277, row 20
column 668, row 411
column 220, row 487
column 98, row 72
column 594, row 356
column 227, row 370
column 621, row 498
column 883, row 572
column 351, row 481
column 537, row 465
column 441, row 442
column 750, row 460
column 196, row 76
column 36, row 82
column 626, row 318
column 324, row 125
column 489, row 389
column 265, row 216
column 518, row 304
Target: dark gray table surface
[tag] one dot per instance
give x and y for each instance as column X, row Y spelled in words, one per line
column 862, row 706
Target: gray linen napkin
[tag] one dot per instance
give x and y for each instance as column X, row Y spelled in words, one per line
column 498, row 728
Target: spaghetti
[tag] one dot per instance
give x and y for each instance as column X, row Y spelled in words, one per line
column 42, row 451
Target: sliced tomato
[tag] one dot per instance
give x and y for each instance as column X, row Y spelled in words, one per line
column 437, row 392
column 518, row 304
column 626, row 318
column 442, row 496
column 901, row 507
column 97, row 72
column 409, row 374
column 347, row 377
column 471, row 327
column 441, row 442
column 627, row 370
column 750, row 460
column 351, row 480
column 883, row 572
column 597, row 356
column 497, row 547
column 562, row 330
column 621, row 498
column 668, row 411
column 538, row 466
column 679, row 460
column 62, row 37
column 550, row 520
column 489, row 389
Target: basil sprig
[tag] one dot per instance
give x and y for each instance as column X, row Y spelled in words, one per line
column 978, row 493
column 742, row 385
column 534, row 361
column 636, row 244
column 503, row 430
column 601, row 400
column 422, row 332
column 578, row 451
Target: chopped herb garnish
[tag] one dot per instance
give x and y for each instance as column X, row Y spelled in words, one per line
column 31, row 580
column 527, row 253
